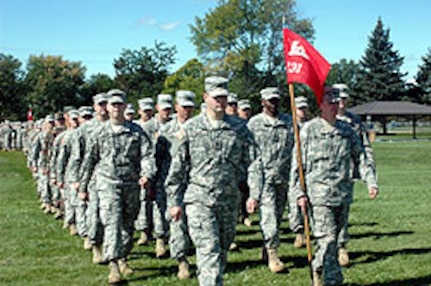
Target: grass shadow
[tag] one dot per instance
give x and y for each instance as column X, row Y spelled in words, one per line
column 417, row 281
column 372, row 256
column 378, row 235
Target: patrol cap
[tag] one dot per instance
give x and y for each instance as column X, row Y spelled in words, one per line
column 269, row 93
column 116, row 96
column 146, row 103
column 59, row 115
column 343, row 89
column 185, row 98
column 68, row 108
column 216, row 86
column 129, row 109
column 73, row 114
column 331, row 95
column 244, row 104
column 50, row 118
column 232, row 98
column 301, row 102
column 85, row 111
column 100, row 98
column 164, row 101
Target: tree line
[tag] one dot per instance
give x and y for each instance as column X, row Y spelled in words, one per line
column 238, row 39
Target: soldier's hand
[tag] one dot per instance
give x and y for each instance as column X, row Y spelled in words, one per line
column 373, row 192
column 60, row 185
column 34, row 169
column 302, row 202
column 251, row 205
column 175, row 212
column 76, row 186
column 83, row 196
column 144, row 182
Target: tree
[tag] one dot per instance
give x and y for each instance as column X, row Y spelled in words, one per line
column 423, row 79
column 95, row 84
column 345, row 72
column 380, row 77
column 242, row 39
column 53, row 83
column 12, row 104
column 191, row 76
column 141, row 73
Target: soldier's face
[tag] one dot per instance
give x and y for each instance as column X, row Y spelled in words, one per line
column 244, row 113
column 329, row 109
column 342, row 104
column 164, row 114
column 101, row 108
column 271, row 105
column 184, row 112
column 216, row 104
column 146, row 114
column 116, row 110
column 232, row 109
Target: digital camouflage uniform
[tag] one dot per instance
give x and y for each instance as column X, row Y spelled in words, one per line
column 327, row 153
column 218, row 157
column 122, row 158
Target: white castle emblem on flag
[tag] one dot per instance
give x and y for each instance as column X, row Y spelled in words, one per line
column 298, row 50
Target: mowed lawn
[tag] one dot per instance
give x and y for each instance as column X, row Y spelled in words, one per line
column 390, row 236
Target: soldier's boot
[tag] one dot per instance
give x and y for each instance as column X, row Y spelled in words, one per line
column 247, row 222
column 274, row 263
column 299, row 240
column 42, row 206
column 87, row 243
column 114, row 273
column 58, row 214
column 124, row 267
column 65, row 224
column 72, row 230
column 47, row 209
column 53, row 209
column 317, row 279
column 143, row 239
column 160, row 247
column 183, row 269
column 97, row 254
column 233, row 246
column 343, row 257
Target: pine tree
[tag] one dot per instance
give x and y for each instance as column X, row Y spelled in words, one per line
column 379, row 76
column 423, row 79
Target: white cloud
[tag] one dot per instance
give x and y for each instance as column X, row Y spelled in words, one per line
column 169, row 26
column 151, row 22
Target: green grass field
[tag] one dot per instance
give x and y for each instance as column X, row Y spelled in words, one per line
column 390, row 236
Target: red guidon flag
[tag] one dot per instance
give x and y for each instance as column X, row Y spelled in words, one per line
column 304, row 64
column 29, row 114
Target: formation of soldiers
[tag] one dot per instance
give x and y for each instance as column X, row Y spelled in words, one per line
column 185, row 180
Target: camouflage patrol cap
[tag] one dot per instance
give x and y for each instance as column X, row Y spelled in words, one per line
column 129, row 109
column 232, row 98
column 216, row 86
column 331, row 95
column 50, row 118
column 68, row 108
column 185, row 98
column 270, row 92
column 100, row 98
column 244, row 104
column 73, row 114
column 164, row 101
column 59, row 115
column 343, row 89
column 116, row 96
column 85, row 111
column 146, row 103
column 301, row 102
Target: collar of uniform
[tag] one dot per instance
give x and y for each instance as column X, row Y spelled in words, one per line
column 207, row 125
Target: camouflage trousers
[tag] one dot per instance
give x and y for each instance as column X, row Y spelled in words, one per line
column 94, row 225
column 145, row 215
column 328, row 221
column 159, row 215
column 43, row 188
column 296, row 218
column 272, row 206
column 70, row 201
column 55, row 195
column 343, row 237
column 119, row 206
column 212, row 230
column 179, row 238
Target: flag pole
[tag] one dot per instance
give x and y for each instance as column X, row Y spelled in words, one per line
column 301, row 179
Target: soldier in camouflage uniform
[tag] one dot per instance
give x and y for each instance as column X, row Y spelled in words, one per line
column 129, row 113
column 179, row 239
column 232, row 104
column 356, row 123
column 328, row 147
column 217, row 149
column 40, row 161
column 125, row 159
column 273, row 133
column 144, row 221
column 80, row 145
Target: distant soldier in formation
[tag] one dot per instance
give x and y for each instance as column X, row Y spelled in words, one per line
column 244, row 109
column 129, row 113
column 232, row 104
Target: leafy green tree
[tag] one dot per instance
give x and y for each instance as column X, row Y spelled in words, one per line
column 191, row 76
column 95, row 84
column 53, row 83
column 12, row 103
column 242, row 39
column 380, row 77
column 141, row 73
column 423, row 79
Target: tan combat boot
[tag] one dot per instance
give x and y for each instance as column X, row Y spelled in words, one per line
column 97, row 254
column 343, row 257
column 233, row 246
column 124, row 267
column 160, row 247
column 42, row 206
column 274, row 263
column 58, row 213
column 87, row 243
column 72, row 229
column 114, row 273
column 47, row 208
column 248, row 222
column 183, row 269
column 143, row 239
column 317, row 279
column 299, row 240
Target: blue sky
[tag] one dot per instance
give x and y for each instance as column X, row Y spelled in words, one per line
column 95, row 32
